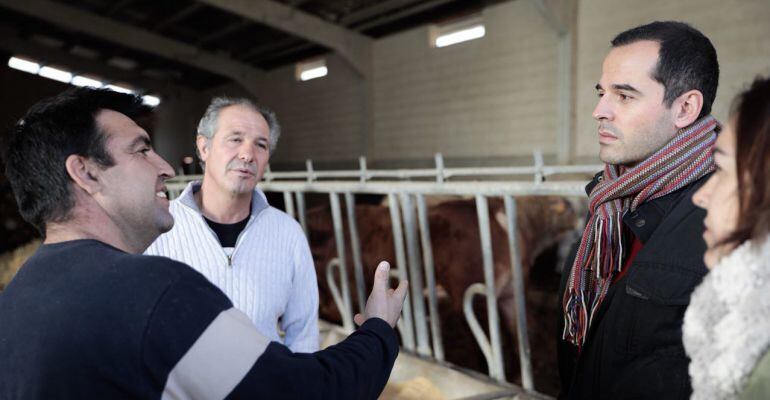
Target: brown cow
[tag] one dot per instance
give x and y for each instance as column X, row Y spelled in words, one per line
column 458, row 264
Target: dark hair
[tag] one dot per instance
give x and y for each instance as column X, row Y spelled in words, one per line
column 686, row 60
column 52, row 130
column 751, row 116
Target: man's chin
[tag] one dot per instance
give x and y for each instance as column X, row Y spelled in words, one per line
column 239, row 190
column 165, row 224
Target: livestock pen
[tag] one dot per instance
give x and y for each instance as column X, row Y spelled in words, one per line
column 406, row 191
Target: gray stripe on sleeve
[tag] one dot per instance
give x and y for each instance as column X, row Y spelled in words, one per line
column 218, row 360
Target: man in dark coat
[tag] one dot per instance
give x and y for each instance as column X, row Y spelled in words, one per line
column 628, row 281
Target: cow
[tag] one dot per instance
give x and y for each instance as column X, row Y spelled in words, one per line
column 541, row 222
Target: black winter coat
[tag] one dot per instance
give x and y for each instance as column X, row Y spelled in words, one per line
column 634, row 348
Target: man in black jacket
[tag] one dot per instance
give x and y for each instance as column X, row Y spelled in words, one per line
column 89, row 317
column 628, row 281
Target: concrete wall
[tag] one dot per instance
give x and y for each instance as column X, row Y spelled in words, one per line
column 493, row 97
column 739, row 30
column 176, row 121
column 323, row 119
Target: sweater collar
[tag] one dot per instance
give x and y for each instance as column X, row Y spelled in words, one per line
column 726, row 324
column 258, row 199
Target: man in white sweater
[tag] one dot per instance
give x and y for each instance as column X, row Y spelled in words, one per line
column 224, row 228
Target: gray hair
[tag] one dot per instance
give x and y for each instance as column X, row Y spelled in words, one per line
column 208, row 124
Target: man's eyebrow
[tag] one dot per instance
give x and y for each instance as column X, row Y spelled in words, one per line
column 626, row 87
column 620, row 86
column 140, row 140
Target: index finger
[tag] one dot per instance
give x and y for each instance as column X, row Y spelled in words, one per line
column 382, row 276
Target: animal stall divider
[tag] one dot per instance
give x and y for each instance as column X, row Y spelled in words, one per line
column 420, row 330
column 539, row 171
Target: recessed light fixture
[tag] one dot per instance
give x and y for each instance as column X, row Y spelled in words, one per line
column 308, row 70
column 468, row 28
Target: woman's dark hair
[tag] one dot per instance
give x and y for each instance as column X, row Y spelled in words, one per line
column 751, row 115
column 39, row 144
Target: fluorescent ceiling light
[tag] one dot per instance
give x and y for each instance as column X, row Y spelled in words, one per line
column 23, row 65
column 151, row 101
column 55, row 74
column 313, row 73
column 83, row 81
column 464, row 35
column 120, row 89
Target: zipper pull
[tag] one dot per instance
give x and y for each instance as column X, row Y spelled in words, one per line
column 229, row 260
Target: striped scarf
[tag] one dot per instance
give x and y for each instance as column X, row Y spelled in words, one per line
column 685, row 159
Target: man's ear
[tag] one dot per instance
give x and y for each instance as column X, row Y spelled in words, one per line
column 201, row 142
column 84, row 173
column 687, row 107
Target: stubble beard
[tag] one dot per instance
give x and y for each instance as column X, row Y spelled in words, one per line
column 644, row 145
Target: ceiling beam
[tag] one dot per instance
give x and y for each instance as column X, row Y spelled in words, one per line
column 10, row 42
column 352, row 46
column 380, row 8
column 407, row 12
column 118, row 6
column 256, row 52
column 133, row 37
column 176, row 17
column 224, row 32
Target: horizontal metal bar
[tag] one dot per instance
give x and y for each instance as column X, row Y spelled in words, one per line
column 487, row 188
column 420, row 173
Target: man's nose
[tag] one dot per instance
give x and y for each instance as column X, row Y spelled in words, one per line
column 246, row 154
column 602, row 110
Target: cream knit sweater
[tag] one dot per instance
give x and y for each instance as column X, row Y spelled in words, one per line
column 270, row 275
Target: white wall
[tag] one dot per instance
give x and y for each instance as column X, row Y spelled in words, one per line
column 322, row 119
column 492, row 97
column 739, row 30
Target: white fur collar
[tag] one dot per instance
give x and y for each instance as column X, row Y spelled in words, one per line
column 727, row 325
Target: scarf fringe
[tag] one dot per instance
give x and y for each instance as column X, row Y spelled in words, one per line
column 601, row 254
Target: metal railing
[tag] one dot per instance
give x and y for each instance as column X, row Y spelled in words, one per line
column 419, row 328
column 539, row 171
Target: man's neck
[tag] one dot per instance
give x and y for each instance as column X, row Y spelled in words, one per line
column 80, row 227
column 221, row 206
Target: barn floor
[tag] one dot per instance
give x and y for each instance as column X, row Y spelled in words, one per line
column 415, row 377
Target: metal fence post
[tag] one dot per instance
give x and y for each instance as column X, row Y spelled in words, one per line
column 288, row 201
column 302, row 212
column 430, row 277
column 398, row 241
column 482, row 208
column 415, row 275
column 339, row 238
column 355, row 246
column 518, row 293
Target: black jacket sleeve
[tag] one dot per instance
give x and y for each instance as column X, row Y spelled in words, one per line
column 356, row 368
